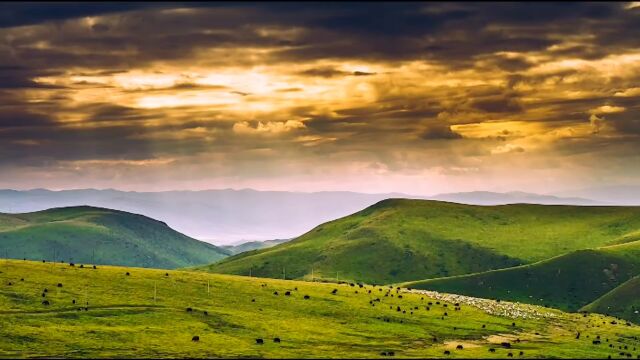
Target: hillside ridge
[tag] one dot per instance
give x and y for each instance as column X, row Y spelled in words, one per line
column 397, row 240
column 88, row 234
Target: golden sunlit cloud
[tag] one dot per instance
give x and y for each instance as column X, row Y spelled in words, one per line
column 607, row 109
column 79, row 164
column 508, row 148
column 272, row 127
column 632, row 5
column 466, row 97
column 631, row 92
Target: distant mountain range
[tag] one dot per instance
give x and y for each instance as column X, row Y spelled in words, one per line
column 252, row 245
column 618, row 194
column 515, row 197
column 228, row 216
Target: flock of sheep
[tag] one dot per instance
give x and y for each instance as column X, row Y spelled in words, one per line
column 493, row 307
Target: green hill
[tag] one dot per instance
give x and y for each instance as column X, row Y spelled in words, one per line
column 143, row 313
column 566, row 282
column 622, row 302
column 101, row 236
column 400, row 240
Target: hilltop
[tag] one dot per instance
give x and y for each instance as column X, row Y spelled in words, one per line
column 400, row 240
column 118, row 312
column 102, row 236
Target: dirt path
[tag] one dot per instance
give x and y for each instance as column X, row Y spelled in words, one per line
column 75, row 309
column 451, row 345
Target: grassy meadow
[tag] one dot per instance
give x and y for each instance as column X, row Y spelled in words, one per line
column 623, row 301
column 144, row 314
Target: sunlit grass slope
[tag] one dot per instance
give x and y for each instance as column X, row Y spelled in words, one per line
column 567, row 282
column 87, row 234
column 399, row 240
column 623, row 301
column 144, row 314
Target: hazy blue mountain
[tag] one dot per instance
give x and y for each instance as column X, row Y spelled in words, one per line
column 229, row 216
column 514, row 197
column 616, row 194
column 252, row 245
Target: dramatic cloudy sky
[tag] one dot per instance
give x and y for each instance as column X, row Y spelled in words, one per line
column 413, row 97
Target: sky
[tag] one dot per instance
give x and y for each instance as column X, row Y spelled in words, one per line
column 420, row 98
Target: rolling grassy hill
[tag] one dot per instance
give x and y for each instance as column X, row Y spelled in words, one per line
column 622, row 302
column 567, row 282
column 101, row 236
column 400, row 240
column 141, row 313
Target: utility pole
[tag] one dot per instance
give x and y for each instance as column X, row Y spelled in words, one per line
column 250, row 272
column 311, row 274
column 284, row 277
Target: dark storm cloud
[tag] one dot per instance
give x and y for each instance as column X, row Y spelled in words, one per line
column 110, row 112
column 400, row 31
column 495, row 46
column 21, row 77
column 589, row 52
column 497, row 104
column 385, row 31
column 22, row 118
column 629, row 125
column 329, row 72
column 510, row 64
column 49, row 144
column 20, row 82
column 29, row 13
column 439, row 132
column 29, row 145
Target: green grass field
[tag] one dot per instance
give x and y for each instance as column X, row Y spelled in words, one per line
column 400, row 240
column 86, row 234
column 623, row 301
column 144, row 315
column 566, row 282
